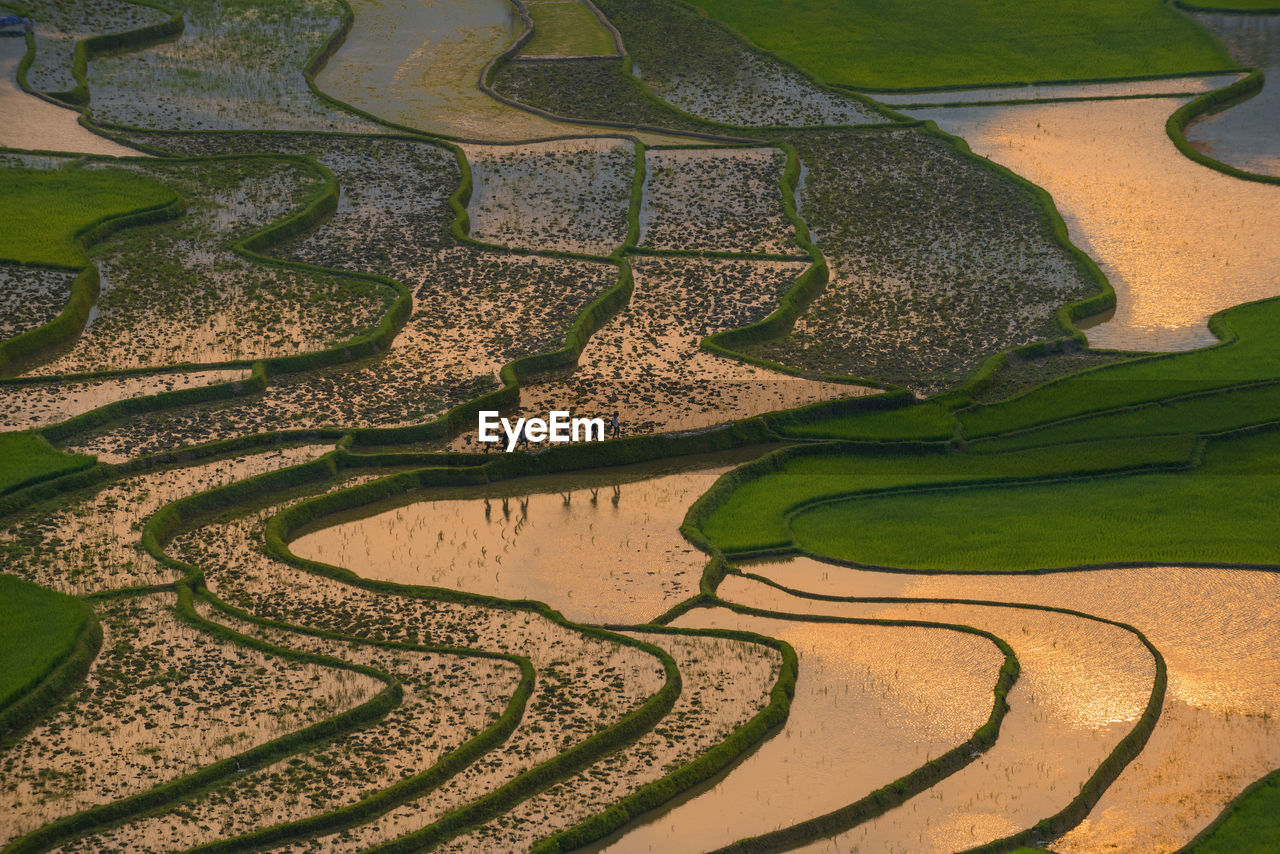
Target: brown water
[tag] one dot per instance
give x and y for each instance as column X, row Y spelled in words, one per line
column 33, row 123
column 1177, row 240
column 723, row 684
column 27, row 406
column 872, row 703
column 1219, row 728
column 1248, row 134
column 418, row 63
column 721, row 199
column 600, row 547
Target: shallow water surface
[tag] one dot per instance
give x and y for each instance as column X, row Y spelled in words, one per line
column 1246, row 135
column 33, row 123
column 601, row 546
column 1218, row 730
column 1050, row 91
column 1083, row 685
column 418, row 63
column 1178, row 241
column 872, row 703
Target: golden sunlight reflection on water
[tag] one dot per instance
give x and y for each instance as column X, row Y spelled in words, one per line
column 1177, row 240
column 1219, row 632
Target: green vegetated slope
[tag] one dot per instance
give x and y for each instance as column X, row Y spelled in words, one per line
column 45, row 210
column 1249, row 825
column 1231, row 385
column 896, row 44
column 38, row 628
column 1250, row 354
column 567, row 28
column 25, row 457
column 1221, row 512
column 754, row 515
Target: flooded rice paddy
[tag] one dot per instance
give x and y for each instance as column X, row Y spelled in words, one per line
column 419, row 64
column 26, row 406
column 1178, row 241
column 1082, row 686
column 1246, row 135
column 1218, row 728
column 161, row 700
column 647, row 364
column 570, row 195
column 31, row 297
column 728, row 200
column 448, row 700
column 872, row 703
column 91, row 544
column 233, row 67
column 600, row 547
column 29, row 122
column 912, row 262
column 724, row 683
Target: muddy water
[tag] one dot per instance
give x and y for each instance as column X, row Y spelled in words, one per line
column 418, row 63
column 1246, row 135
column 600, row 547
column 871, row 704
column 30, row 122
column 1083, row 686
column 1049, row 91
column 28, row 406
column 1220, row 726
column 1177, row 240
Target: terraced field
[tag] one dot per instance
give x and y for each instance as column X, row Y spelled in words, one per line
column 934, row 512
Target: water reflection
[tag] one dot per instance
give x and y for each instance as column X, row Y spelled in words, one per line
column 600, row 547
column 1219, row 728
column 1248, row 134
column 1177, row 240
column 871, row 704
column 30, row 122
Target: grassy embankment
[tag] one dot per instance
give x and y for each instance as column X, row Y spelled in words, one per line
column 1248, row 826
column 921, row 44
column 46, row 212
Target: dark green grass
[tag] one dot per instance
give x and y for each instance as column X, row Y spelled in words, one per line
column 567, row 29
column 38, row 628
column 1250, row 826
column 1221, row 512
column 1254, row 356
column 44, row 210
column 1211, row 413
column 754, row 515
column 926, row 422
column 892, row 44
column 25, row 457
